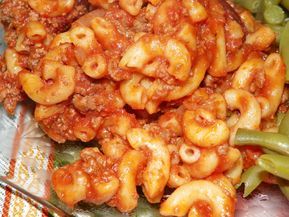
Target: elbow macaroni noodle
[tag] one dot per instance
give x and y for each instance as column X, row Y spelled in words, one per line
column 44, row 94
column 52, row 8
column 183, row 200
column 157, row 172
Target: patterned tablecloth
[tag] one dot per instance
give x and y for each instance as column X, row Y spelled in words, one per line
column 26, row 158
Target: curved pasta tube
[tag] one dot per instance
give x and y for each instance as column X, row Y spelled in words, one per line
column 83, row 131
column 189, row 154
column 133, row 93
column 270, row 94
column 196, row 10
column 248, row 20
column 244, row 76
column 225, row 184
column 152, row 106
column 83, row 37
column 206, row 164
column 234, row 174
column 179, row 175
column 95, row 66
column 265, row 106
column 20, row 46
column 128, row 169
column 173, row 150
column 234, row 60
column 203, row 129
column 186, row 196
column 104, row 191
column 187, row 34
column 205, row 98
column 171, row 121
column 218, row 67
column 274, row 82
column 56, row 53
column 198, row 74
column 102, row 3
column 161, row 19
column 42, row 93
column 119, row 124
column 234, row 29
column 52, row 8
column 133, row 7
column 228, row 159
column 114, row 148
column 105, row 32
column 35, row 31
column 179, row 59
column 261, row 39
column 151, row 46
column 60, row 39
column 152, row 87
column 249, row 108
column 156, row 174
column 70, row 184
column 42, row 112
column 12, row 61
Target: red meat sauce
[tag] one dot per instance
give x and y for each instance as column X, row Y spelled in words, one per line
column 14, row 15
column 95, row 99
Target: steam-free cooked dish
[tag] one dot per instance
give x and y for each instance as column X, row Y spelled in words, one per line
column 162, row 87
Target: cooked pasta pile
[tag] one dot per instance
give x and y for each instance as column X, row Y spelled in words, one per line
column 161, row 86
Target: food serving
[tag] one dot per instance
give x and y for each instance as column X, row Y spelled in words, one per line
column 185, row 99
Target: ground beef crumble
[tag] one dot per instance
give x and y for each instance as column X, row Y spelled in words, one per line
column 14, row 15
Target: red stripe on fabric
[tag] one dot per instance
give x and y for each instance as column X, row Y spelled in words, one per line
column 6, row 206
column 44, row 213
column 15, row 145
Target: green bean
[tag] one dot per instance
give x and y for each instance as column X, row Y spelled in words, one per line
column 251, row 179
column 268, row 151
column 284, row 48
column 284, row 187
column 274, row 15
column 263, row 6
column 285, row 4
column 268, row 3
column 273, row 141
column 251, row 5
column 275, row 164
column 284, row 125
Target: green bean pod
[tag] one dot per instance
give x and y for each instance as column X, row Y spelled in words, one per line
column 275, row 164
column 251, row 5
column 271, row 2
column 265, row 4
column 274, row 141
column 274, row 15
column 251, row 179
column 284, row 124
column 284, row 48
column 268, row 151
